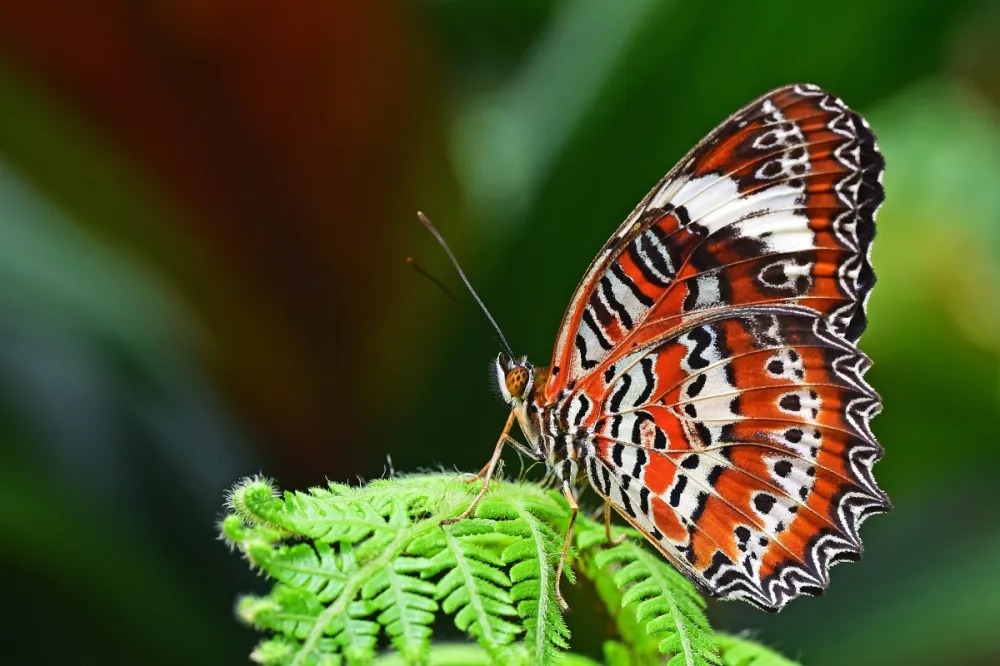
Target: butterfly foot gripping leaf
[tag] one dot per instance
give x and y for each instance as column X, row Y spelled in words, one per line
column 706, row 378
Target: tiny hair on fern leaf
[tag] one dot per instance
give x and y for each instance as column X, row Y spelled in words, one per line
column 364, row 571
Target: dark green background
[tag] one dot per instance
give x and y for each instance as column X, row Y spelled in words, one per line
column 204, row 211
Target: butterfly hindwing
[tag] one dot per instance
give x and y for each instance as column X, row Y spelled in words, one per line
column 740, row 447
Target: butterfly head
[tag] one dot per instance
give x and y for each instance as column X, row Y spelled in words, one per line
column 515, row 378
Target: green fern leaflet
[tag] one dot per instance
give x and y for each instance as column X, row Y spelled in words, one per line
column 365, row 574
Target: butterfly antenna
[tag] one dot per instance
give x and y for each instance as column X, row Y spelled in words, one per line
column 463, row 305
column 438, row 283
column 468, row 285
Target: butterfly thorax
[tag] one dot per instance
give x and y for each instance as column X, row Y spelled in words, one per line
column 563, row 442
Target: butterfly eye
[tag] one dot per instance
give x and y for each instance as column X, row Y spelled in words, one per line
column 517, row 381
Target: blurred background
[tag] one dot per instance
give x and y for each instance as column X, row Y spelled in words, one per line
column 204, row 213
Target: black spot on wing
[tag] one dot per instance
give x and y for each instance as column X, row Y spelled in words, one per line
column 588, row 319
column 581, row 413
column 644, row 499
column 640, row 462
column 790, row 402
column 619, row 308
column 774, row 275
column 693, row 290
column 704, row 434
column 719, row 560
column 620, row 274
column 650, row 273
column 619, row 395
column 695, row 387
column 627, row 505
column 606, row 478
column 640, row 419
column 604, row 316
column 731, row 375
column 646, row 365
column 581, row 346
column 616, row 454
column 616, row 422
column 675, row 494
column 734, row 404
column 702, row 340
column 682, row 215
column 700, row 506
column 763, row 502
column 742, row 533
column 594, row 474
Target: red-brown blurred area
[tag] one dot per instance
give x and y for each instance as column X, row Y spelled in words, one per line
column 278, row 136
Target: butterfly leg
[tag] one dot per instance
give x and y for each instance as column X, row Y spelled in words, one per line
column 528, row 453
column 607, row 526
column 513, row 442
column 573, row 509
column 486, row 473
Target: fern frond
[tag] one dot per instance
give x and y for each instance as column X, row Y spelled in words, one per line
column 407, row 606
column 474, row 586
column 664, row 602
column 295, row 613
column 527, row 515
column 357, row 569
column 634, row 645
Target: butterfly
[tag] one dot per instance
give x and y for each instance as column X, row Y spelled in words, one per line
column 706, row 378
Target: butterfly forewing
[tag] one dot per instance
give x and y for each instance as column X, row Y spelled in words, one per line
column 709, row 352
column 775, row 206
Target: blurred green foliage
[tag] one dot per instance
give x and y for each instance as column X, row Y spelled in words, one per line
column 201, row 275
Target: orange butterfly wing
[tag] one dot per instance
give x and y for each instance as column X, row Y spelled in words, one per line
column 709, row 352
